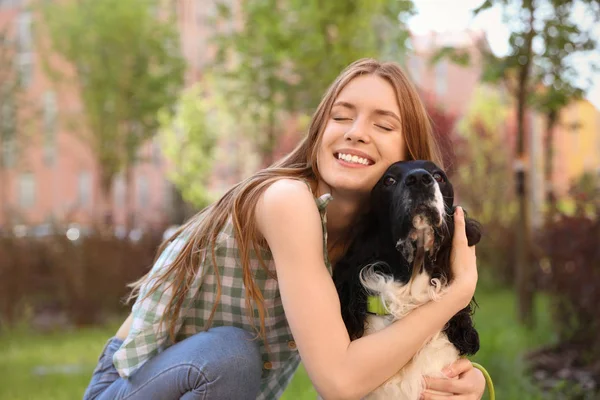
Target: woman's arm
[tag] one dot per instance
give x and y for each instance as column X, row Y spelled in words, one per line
column 125, row 327
column 339, row 368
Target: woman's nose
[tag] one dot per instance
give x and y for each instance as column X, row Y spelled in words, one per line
column 358, row 132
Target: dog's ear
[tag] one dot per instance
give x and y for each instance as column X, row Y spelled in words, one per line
column 462, row 333
column 473, row 230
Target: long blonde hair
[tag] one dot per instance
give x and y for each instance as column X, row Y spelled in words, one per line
column 239, row 202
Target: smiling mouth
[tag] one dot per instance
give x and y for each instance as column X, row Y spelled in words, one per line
column 354, row 159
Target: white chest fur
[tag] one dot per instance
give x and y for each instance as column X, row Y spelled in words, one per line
column 436, row 354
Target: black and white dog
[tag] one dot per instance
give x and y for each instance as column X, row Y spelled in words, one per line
column 401, row 255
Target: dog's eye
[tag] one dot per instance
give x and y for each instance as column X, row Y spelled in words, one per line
column 438, row 177
column 389, row 181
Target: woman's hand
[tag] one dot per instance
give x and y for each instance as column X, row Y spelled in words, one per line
column 470, row 384
column 463, row 260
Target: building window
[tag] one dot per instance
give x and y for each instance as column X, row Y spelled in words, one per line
column 7, row 132
column 24, row 57
column 8, row 152
column 441, row 78
column 25, row 69
column 24, row 32
column 168, row 195
column 119, row 191
column 156, row 152
column 26, row 190
column 84, row 189
column 143, row 192
column 9, row 3
column 50, row 112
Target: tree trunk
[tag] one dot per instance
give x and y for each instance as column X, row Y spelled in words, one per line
column 552, row 119
column 271, row 141
column 105, row 218
column 524, row 271
column 178, row 207
column 129, row 199
column 4, row 221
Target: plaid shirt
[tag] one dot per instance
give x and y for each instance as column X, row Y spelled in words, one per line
column 146, row 338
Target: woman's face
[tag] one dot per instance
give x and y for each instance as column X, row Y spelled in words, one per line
column 362, row 137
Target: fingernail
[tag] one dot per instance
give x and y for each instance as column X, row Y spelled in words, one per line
column 447, row 372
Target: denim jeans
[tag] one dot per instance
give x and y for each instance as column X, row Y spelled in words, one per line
column 221, row 363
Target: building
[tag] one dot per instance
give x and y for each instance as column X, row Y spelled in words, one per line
column 446, row 83
column 576, row 144
column 53, row 178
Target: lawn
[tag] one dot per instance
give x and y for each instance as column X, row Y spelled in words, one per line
column 58, row 366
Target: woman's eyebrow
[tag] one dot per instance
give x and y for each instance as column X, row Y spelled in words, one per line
column 344, row 104
column 351, row 106
column 388, row 113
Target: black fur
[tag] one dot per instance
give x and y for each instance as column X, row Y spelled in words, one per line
column 392, row 208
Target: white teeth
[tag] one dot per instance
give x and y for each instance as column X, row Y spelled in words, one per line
column 353, row 159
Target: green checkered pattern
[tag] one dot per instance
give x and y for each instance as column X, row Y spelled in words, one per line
column 147, row 337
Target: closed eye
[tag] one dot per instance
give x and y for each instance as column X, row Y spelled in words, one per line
column 341, row 119
column 385, row 128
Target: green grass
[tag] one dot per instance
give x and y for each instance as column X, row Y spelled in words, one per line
column 21, row 352
column 504, row 342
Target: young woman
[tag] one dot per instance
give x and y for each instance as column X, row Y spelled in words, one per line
column 244, row 290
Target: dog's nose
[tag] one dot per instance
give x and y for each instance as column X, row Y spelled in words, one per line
column 419, row 178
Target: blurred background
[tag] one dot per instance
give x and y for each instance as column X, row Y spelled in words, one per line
column 119, row 119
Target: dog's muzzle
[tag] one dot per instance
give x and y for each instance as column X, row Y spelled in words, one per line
column 425, row 200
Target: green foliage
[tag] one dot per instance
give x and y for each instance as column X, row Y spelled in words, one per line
column 287, row 52
column 483, row 176
column 457, row 56
column 189, row 138
column 126, row 68
column 483, row 180
column 545, row 39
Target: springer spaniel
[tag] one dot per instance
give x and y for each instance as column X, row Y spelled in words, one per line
column 399, row 260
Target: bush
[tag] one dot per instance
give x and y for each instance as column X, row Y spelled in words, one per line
column 570, row 271
column 83, row 280
column 496, row 253
column 483, row 182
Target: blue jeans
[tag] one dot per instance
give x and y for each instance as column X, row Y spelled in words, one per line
column 221, row 363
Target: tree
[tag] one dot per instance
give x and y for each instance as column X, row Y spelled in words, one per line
column 541, row 30
column 286, row 53
column 189, row 138
column 484, row 171
column 126, row 67
column 562, row 37
column 483, row 179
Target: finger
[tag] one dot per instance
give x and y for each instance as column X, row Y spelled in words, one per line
column 428, row 395
column 450, row 386
column 458, row 367
column 460, row 233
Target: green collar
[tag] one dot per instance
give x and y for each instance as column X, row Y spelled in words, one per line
column 376, row 306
